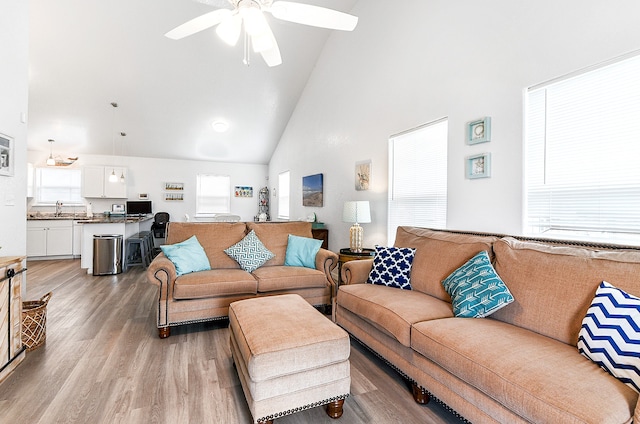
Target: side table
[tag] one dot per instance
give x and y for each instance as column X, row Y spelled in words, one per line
column 347, row 255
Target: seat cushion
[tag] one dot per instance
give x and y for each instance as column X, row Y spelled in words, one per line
column 274, row 278
column 533, row 375
column 391, row 310
column 216, row 282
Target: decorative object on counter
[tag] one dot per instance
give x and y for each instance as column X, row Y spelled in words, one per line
column 363, row 175
column 356, row 212
column 89, row 211
column 51, row 161
column 34, row 322
column 479, row 131
column 243, row 191
column 312, row 190
column 478, row 166
column 263, row 205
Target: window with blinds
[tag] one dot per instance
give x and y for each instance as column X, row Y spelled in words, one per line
column 213, row 195
column 58, row 184
column 283, row 195
column 582, row 154
column 418, row 178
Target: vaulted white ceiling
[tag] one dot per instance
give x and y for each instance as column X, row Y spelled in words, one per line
column 85, row 54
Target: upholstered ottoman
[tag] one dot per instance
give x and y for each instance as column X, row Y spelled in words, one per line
column 289, row 357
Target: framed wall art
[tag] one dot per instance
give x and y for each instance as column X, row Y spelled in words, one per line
column 312, row 190
column 243, row 191
column 7, row 159
column 478, row 166
column 363, row 175
column 479, row 131
column 174, row 186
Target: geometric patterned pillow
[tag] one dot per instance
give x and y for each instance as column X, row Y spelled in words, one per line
column 475, row 288
column 610, row 334
column 249, row 252
column 392, row 267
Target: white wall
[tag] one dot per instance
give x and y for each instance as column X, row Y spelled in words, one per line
column 14, row 92
column 148, row 175
column 414, row 61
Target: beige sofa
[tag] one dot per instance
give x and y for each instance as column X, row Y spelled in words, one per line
column 521, row 364
column 206, row 295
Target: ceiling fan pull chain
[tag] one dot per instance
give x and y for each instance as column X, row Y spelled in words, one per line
column 247, row 53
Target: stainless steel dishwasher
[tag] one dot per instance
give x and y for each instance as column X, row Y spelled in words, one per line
column 107, row 254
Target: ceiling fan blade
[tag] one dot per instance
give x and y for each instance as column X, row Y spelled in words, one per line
column 198, row 24
column 313, row 15
column 271, row 55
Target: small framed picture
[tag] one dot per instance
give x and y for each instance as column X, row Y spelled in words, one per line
column 174, row 186
column 479, row 131
column 243, row 191
column 478, row 166
column 363, row 175
column 143, row 196
column 6, row 155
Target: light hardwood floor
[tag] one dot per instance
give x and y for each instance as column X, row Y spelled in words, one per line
column 104, row 363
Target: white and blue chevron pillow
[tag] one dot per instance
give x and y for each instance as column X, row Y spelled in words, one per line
column 249, row 252
column 475, row 288
column 610, row 334
column 392, row 267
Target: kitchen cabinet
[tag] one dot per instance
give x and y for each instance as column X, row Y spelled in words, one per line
column 49, row 238
column 77, row 239
column 95, row 182
column 12, row 351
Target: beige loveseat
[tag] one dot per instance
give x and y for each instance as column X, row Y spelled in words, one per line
column 521, row 364
column 206, row 295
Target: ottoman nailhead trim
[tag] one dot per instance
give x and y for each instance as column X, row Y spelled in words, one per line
column 301, row 408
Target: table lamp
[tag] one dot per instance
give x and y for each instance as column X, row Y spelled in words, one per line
column 356, row 212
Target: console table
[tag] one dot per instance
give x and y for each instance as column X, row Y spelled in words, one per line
column 12, row 352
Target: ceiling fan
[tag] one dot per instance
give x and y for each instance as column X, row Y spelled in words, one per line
column 249, row 14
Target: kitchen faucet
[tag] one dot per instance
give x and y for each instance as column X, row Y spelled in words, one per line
column 58, row 208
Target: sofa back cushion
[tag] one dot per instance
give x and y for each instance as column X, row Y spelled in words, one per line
column 213, row 236
column 438, row 254
column 275, row 235
column 553, row 285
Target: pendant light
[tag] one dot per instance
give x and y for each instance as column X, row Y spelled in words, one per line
column 123, row 134
column 113, row 178
column 51, row 161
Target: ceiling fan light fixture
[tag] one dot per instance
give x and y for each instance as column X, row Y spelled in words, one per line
column 220, row 126
column 253, row 18
column 229, row 29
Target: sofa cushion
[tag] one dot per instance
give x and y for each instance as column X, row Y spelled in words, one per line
column 392, row 267
column 275, row 236
column 438, row 254
column 610, row 334
column 249, row 252
column 213, row 283
column 213, row 236
column 475, row 288
column 187, row 256
column 302, row 251
column 275, row 278
column 391, row 310
column 553, row 286
column 534, row 376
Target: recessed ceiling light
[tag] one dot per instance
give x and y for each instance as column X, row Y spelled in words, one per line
column 220, row 126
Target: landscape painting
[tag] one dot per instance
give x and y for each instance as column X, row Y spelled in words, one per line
column 312, row 190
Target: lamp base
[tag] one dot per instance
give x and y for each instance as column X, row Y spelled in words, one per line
column 356, row 233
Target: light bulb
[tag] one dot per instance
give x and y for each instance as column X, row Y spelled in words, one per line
column 113, row 178
column 51, row 161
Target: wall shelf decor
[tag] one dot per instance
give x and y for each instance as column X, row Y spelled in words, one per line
column 171, row 197
column 243, row 191
column 174, row 186
column 478, row 166
column 363, row 175
column 479, row 131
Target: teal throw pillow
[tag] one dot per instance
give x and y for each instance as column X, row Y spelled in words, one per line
column 475, row 288
column 302, row 251
column 187, row 256
column 249, row 252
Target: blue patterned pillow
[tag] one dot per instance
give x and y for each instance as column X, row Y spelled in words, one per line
column 475, row 288
column 249, row 252
column 392, row 267
column 610, row 334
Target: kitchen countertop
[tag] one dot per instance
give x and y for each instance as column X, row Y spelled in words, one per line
column 97, row 218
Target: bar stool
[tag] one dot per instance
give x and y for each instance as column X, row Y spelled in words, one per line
column 148, row 239
column 136, row 251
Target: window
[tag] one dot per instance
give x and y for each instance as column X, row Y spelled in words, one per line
column 213, row 195
column 582, row 178
column 418, row 178
column 283, row 196
column 58, row 184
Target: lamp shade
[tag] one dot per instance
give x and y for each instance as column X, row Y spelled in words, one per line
column 356, row 211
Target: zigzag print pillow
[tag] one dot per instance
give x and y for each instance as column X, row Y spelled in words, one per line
column 249, row 252
column 610, row 334
column 392, row 267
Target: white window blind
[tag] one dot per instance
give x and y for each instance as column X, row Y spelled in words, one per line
column 283, row 195
column 418, row 178
column 58, row 184
column 213, row 195
column 582, row 154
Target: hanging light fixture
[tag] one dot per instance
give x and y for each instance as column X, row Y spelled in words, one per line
column 51, row 161
column 123, row 134
column 113, row 178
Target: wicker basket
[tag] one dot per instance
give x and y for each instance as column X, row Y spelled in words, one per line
column 34, row 322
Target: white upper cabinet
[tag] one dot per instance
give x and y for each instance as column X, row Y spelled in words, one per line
column 95, row 182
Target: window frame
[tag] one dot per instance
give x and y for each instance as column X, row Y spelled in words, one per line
column 202, row 211
column 284, row 195
column 67, row 199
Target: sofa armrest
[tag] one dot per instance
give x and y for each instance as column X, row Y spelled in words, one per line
column 326, row 261
column 162, row 273
column 356, row 272
column 636, row 413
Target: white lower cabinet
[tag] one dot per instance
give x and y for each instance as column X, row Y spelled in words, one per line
column 49, row 238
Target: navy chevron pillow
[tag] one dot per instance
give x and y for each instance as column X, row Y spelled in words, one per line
column 610, row 334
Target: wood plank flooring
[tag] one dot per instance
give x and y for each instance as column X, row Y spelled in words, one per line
column 104, row 363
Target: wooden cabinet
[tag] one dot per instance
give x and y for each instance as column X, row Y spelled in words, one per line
column 11, row 349
column 95, row 182
column 321, row 234
column 49, row 238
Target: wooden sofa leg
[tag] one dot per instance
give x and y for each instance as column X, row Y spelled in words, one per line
column 334, row 409
column 420, row 395
column 164, row 332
